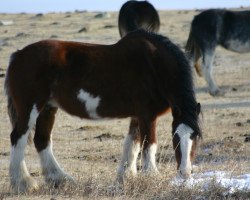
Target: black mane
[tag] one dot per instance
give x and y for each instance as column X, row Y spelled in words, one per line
column 186, row 90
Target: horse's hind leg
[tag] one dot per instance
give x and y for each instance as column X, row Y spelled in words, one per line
column 20, row 178
column 43, row 143
column 149, row 143
column 207, row 70
column 131, row 149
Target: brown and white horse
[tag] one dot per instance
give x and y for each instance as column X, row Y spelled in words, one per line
column 134, row 15
column 142, row 76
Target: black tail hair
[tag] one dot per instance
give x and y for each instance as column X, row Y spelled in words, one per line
column 193, row 52
column 11, row 109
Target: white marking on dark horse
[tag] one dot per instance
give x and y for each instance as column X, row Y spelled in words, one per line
column 91, row 103
column 149, row 158
column 50, row 167
column 18, row 168
column 207, row 71
column 131, row 150
column 184, row 132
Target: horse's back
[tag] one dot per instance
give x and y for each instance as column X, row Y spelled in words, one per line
column 47, row 59
column 206, row 26
column 235, row 32
column 58, row 70
column 225, row 27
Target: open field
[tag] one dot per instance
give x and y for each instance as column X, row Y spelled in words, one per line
column 90, row 151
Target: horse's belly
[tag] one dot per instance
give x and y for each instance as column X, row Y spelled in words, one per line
column 77, row 103
column 238, row 46
column 86, row 105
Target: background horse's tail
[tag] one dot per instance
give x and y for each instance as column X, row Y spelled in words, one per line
column 11, row 109
column 193, row 52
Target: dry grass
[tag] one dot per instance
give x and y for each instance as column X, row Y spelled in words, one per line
column 90, row 151
column 98, row 186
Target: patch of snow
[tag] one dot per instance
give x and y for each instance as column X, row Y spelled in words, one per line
column 6, row 23
column 220, row 178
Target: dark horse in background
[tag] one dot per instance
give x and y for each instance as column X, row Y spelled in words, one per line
column 142, row 76
column 138, row 14
column 230, row 29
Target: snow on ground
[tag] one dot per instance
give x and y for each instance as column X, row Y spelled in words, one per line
column 221, row 179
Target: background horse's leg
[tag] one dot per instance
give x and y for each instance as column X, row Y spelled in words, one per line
column 149, row 142
column 43, row 143
column 21, row 180
column 131, row 149
column 207, row 70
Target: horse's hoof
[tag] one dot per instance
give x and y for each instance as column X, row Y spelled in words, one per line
column 26, row 185
column 217, row 93
column 60, row 181
column 119, row 179
column 183, row 176
column 115, row 189
column 151, row 172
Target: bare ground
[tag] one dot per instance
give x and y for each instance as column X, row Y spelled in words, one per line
column 91, row 151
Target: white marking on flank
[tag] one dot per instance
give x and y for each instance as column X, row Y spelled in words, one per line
column 91, row 103
column 184, row 132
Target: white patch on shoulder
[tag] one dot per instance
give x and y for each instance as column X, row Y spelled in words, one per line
column 184, row 132
column 91, row 103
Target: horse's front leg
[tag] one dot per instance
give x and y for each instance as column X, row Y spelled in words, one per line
column 131, row 149
column 43, row 142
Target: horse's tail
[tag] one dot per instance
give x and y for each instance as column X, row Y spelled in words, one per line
column 193, row 52
column 12, row 112
column 11, row 108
